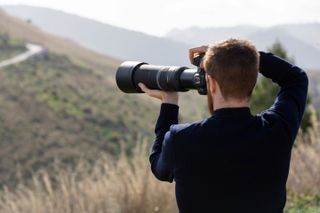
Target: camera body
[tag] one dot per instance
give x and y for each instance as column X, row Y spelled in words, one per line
column 167, row 78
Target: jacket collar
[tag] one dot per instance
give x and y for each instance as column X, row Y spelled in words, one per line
column 235, row 113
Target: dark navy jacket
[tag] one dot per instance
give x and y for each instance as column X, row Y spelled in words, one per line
column 233, row 161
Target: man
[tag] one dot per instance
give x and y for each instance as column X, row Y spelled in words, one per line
column 232, row 161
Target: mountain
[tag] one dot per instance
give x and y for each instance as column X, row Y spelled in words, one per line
column 304, row 54
column 309, row 33
column 302, row 41
column 62, row 108
column 199, row 36
column 120, row 43
column 104, row 64
column 66, row 107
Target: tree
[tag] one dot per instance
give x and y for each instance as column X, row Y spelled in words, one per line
column 265, row 92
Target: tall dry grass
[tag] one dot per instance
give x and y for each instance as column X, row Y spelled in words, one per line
column 305, row 164
column 126, row 185
column 117, row 186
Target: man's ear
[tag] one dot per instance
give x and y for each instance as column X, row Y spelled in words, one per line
column 212, row 84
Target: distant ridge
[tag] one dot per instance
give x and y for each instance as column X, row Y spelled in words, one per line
column 302, row 41
column 120, row 43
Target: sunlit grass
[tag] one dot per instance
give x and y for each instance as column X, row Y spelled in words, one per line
column 122, row 185
column 125, row 184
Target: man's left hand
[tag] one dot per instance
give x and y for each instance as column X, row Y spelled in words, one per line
column 165, row 97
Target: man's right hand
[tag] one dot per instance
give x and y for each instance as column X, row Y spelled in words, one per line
column 193, row 52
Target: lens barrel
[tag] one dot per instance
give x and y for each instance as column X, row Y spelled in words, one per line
column 167, row 78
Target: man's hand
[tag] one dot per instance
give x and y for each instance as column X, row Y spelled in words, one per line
column 193, row 52
column 165, row 97
column 172, row 97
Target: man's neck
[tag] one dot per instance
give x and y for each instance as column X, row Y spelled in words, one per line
column 218, row 104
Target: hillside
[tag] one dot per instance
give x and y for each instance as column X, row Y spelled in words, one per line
column 64, row 110
column 104, row 38
column 10, row 47
column 19, row 29
column 53, row 110
column 102, row 64
column 300, row 40
column 66, row 107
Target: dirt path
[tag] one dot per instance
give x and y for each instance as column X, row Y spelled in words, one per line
column 32, row 49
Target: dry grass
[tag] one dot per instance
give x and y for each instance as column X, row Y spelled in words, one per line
column 125, row 184
column 305, row 164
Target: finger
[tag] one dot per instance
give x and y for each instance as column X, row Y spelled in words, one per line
column 150, row 92
column 155, row 94
column 197, row 50
column 143, row 87
column 192, row 51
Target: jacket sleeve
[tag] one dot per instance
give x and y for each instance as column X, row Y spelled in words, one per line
column 290, row 102
column 162, row 157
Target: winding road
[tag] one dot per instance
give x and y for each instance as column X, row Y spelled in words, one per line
column 32, row 50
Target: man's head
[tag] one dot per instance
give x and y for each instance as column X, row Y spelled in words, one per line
column 232, row 66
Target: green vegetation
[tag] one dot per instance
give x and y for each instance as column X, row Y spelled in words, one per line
column 55, row 111
column 63, row 124
column 314, row 88
column 123, row 184
column 303, row 203
column 10, row 47
column 111, row 185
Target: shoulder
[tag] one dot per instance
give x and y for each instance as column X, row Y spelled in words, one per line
column 178, row 129
column 271, row 119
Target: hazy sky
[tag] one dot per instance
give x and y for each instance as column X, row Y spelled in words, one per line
column 159, row 16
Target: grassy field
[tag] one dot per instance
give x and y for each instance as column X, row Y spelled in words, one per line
column 53, row 110
column 10, row 47
column 70, row 141
column 126, row 184
column 66, row 107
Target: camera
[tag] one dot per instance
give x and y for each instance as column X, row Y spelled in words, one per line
column 167, row 78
